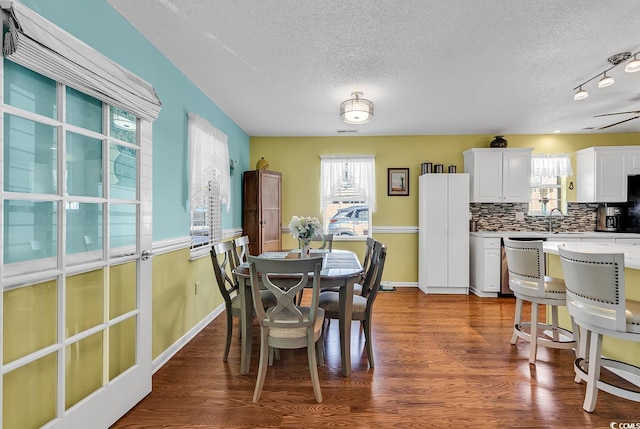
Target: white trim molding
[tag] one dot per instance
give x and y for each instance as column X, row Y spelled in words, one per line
column 395, row 229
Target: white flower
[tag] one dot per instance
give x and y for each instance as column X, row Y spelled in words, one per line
column 303, row 228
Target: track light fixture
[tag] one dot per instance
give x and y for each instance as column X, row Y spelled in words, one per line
column 633, row 66
column 606, row 80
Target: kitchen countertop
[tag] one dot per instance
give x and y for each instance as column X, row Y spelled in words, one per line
column 631, row 251
column 560, row 234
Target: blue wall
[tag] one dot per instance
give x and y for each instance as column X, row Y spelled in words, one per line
column 99, row 25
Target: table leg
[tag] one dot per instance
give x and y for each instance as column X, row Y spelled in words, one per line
column 345, row 312
column 246, row 318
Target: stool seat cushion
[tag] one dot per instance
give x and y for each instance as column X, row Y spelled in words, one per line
column 553, row 287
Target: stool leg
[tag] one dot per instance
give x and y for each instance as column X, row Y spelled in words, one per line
column 534, row 333
column 582, row 347
column 554, row 323
column 517, row 320
column 595, row 352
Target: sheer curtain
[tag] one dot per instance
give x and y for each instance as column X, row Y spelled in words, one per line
column 357, row 170
column 551, row 165
column 208, row 160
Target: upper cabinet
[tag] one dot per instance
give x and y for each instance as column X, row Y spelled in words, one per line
column 602, row 173
column 499, row 175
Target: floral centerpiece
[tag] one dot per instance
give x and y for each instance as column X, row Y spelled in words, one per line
column 304, row 228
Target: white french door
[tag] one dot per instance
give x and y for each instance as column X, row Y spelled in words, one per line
column 75, row 230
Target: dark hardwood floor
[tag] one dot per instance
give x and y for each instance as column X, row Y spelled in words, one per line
column 441, row 362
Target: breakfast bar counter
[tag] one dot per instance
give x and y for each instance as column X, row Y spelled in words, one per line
column 623, row 351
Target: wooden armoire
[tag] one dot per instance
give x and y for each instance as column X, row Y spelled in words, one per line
column 262, row 210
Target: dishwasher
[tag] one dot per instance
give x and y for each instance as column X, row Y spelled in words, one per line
column 504, row 272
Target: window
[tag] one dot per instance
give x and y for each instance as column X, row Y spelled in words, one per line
column 210, row 187
column 547, row 173
column 347, row 195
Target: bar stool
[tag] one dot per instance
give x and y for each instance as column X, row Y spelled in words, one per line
column 525, row 262
column 596, row 300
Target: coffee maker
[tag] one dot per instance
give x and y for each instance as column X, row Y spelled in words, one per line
column 608, row 218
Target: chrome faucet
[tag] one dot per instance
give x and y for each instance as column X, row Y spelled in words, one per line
column 551, row 219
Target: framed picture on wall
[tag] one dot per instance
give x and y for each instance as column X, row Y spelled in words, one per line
column 398, row 181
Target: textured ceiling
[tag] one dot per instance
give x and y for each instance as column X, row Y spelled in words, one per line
column 282, row 67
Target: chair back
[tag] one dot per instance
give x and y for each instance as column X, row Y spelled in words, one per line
column 595, row 288
column 369, row 275
column 525, row 262
column 367, row 256
column 326, row 239
column 285, row 278
column 221, row 259
column 241, row 250
column 373, row 286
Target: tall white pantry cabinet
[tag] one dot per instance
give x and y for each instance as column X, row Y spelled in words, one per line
column 443, row 230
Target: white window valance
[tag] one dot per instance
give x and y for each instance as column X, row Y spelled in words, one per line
column 358, row 170
column 208, row 159
column 40, row 45
column 551, row 165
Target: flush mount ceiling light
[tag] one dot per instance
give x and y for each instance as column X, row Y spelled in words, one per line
column 614, row 60
column 356, row 110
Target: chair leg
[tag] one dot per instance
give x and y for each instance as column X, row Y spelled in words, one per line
column 595, row 356
column 534, row 333
column 517, row 320
column 313, row 368
column 264, row 362
column 227, row 345
column 368, row 341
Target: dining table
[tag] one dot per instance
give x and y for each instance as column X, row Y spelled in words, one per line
column 340, row 269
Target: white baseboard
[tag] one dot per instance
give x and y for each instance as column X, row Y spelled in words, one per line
column 164, row 357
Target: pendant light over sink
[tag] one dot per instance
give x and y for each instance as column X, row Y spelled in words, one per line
column 356, row 110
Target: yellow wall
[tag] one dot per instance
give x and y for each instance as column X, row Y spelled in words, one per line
column 176, row 307
column 298, row 158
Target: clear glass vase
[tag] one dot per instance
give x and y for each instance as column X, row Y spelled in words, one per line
column 305, row 248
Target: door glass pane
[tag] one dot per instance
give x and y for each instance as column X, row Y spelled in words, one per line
column 30, row 153
column 122, row 289
column 122, row 125
column 123, row 171
column 29, row 90
column 122, row 347
column 84, row 300
column 29, row 319
column 30, row 229
column 122, row 228
column 29, row 394
column 84, row 166
column 84, row 229
column 83, row 368
column 84, row 110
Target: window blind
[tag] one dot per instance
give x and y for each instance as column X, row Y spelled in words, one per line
column 40, row 45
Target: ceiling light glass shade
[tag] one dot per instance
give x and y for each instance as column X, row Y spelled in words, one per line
column 356, row 110
column 605, row 81
column 633, row 65
column 581, row 94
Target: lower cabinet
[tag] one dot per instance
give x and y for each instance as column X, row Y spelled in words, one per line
column 485, row 262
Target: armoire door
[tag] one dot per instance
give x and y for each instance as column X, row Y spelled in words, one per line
column 262, row 202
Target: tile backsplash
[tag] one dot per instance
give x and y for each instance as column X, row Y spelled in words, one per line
column 502, row 217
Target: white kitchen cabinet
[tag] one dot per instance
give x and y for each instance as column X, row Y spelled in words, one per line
column 499, row 175
column 485, row 263
column 601, row 175
column 443, row 228
column 633, row 161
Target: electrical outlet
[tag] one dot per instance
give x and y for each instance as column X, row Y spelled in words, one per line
column 519, row 215
column 197, row 288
